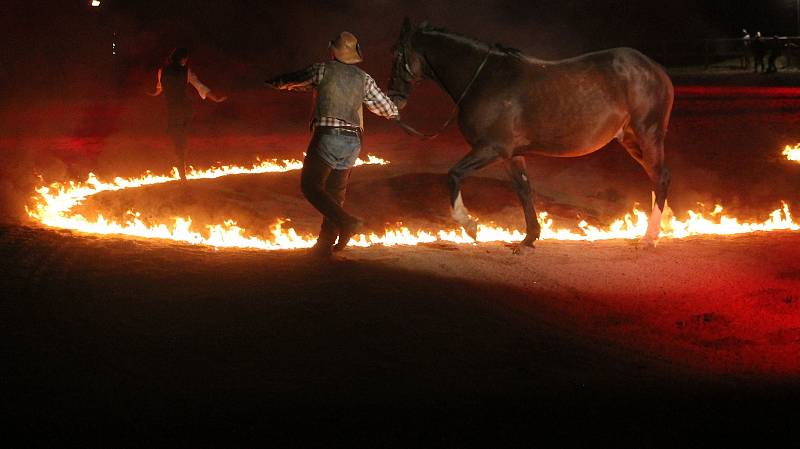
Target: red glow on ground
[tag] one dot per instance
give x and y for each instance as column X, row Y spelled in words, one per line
column 737, row 91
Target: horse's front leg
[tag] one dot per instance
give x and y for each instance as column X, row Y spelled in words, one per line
column 478, row 158
column 518, row 172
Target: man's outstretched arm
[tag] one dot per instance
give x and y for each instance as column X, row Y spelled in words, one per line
column 203, row 90
column 159, row 88
column 301, row 80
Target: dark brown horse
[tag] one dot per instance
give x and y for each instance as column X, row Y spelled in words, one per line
column 511, row 104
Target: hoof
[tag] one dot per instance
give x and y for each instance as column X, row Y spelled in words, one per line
column 648, row 242
column 472, row 230
column 523, row 247
column 520, row 250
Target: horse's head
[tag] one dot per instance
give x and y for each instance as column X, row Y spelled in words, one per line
column 409, row 66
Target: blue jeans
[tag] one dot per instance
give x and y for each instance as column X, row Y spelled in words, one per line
column 338, row 152
column 326, row 171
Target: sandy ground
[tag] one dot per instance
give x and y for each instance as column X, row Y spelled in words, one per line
column 435, row 343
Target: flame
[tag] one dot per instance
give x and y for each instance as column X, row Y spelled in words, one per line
column 792, row 153
column 53, row 207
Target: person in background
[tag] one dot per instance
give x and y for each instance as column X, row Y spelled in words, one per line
column 775, row 51
column 337, row 123
column 759, row 51
column 746, row 50
column 173, row 80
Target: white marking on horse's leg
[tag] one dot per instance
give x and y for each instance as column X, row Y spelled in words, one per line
column 461, row 215
column 459, row 212
column 653, row 223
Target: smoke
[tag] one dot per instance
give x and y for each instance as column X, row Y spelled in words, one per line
column 22, row 168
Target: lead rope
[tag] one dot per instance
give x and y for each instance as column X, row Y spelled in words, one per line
column 412, row 131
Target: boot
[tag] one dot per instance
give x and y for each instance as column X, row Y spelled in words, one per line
column 323, row 249
column 346, row 231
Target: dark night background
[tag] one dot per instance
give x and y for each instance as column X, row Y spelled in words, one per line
column 109, row 328
column 49, row 45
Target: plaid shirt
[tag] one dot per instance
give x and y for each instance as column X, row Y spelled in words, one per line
column 309, row 78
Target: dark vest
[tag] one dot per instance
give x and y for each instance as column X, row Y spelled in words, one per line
column 174, row 81
column 341, row 93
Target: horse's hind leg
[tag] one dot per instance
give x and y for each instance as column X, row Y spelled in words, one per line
column 476, row 159
column 518, row 172
column 646, row 146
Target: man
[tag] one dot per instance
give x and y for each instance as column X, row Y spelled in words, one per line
column 759, row 51
column 173, row 79
column 775, row 50
column 337, row 123
column 745, row 49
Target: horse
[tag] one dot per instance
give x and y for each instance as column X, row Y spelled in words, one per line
column 510, row 104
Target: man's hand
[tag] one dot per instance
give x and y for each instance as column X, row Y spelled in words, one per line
column 215, row 98
column 274, row 83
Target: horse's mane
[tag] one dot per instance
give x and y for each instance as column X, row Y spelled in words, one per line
column 430, row 29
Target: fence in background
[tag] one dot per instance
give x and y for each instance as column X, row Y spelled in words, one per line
column 723, row 53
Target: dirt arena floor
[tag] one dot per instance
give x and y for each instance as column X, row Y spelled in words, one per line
column 131, row 340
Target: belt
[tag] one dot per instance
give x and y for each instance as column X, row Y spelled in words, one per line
column 338, row 131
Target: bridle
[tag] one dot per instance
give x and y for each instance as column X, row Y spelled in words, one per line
column 414, row 78
column 406, row 67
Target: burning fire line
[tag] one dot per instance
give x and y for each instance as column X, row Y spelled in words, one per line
column 792, row 153
column 52, row 207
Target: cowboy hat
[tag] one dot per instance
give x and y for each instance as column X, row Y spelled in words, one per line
column 345, row 48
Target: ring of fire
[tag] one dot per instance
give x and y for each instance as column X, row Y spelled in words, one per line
column 52, row 207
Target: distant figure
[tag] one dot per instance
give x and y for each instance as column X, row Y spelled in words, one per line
column 746, row 50
column 775, row 51
column 759, row 51
column 340, row 90
column 173, row 79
